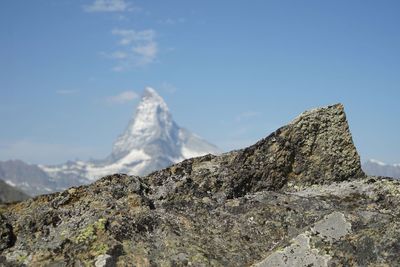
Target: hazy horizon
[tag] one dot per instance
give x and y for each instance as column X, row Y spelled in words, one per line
column 232, row 72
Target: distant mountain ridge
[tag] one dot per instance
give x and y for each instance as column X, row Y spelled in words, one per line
column 151, row 141
column 31, row 179
column 9, row 193
column 379, row 168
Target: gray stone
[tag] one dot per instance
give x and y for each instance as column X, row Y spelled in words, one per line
column 103, row 261
column 332, row 227
column 299, row 254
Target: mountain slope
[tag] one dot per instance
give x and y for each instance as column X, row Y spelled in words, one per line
column 31, row 179
column 378, row 168
column 151, row 141
column 295, row 198
column 9, row 193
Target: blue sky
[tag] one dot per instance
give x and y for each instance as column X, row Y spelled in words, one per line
column 231, row 71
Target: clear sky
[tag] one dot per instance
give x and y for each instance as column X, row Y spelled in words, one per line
column 231, row 71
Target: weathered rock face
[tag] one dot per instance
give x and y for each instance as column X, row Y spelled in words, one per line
column 316, row 148
column 296, row 198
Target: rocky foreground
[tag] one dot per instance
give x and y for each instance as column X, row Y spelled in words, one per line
column 295, row 198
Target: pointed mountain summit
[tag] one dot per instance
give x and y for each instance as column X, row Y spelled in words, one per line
column 152, row 122
column 151, row 141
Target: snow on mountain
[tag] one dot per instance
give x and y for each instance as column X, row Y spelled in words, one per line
column 380, row 163
column 151, row 141
column 33, row 180
column 378, row 168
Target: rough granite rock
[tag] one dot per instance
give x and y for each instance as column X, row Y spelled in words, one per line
column 296, row 198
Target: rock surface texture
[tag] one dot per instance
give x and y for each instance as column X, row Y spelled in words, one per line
column 296, row 198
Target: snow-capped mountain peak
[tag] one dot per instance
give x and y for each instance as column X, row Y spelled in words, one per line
column 152, row 121
column 151, row 141
column 152, row 112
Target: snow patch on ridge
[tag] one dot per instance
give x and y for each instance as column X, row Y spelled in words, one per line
column 380, row 163
column 187, row 153
column 131, row 163
column 10, row 183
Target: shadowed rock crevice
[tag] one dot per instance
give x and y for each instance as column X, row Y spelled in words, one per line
column 7, row 236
